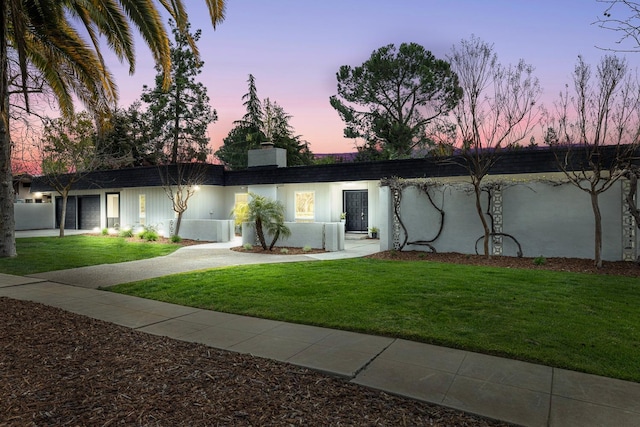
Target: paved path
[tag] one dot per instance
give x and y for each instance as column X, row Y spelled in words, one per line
column 190, row 258
column 513, row 391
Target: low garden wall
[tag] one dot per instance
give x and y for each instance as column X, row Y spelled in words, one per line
column 209, row 230
column 317, row 235
column 34, row 216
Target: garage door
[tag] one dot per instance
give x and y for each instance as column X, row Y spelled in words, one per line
column 88, row 212
column 87, row 209
column 70, row 217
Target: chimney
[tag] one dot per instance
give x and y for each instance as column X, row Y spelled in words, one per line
column 267, row 156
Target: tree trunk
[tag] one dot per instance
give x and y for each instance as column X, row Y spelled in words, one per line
column 275, row 239
column 598, row 229
column 485, row 226
column 260, row 234
column 178, row 223
column 63, row 215
column 176, row 129
column 7, row 219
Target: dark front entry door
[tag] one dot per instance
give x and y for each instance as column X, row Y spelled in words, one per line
column 356, row 205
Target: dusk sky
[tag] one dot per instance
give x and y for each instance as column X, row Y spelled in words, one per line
column 295, row 47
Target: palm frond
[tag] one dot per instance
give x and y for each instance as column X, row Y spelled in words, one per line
column 106, row 18
column 145, row 16
column 70, row 65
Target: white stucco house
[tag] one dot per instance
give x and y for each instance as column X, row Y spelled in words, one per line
column 532, row 211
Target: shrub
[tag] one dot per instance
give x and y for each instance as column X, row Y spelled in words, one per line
column 105, row 231
column 240, row 214
column 284, row 251
column 126, row 233
column 176, row 239
column 247, row 246
column 150, row 234
column 539, row 260
column 307, row 248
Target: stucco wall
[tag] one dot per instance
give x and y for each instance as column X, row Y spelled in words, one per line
column 34, row 216
column 546, row 219
column 207, row 203
column 209, row 230
column 317, row 235
column 558, row 220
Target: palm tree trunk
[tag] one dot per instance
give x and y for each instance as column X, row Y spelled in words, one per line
column 260, row 234
column 7, row 220
column 275, row 239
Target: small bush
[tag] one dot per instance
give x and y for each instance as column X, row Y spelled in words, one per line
column 150, row 234
column 284, row 251
column 307, row 248
column 105, row 231
column 247, row 246
column 176, row 239
column 126, row 233
column 539, row 260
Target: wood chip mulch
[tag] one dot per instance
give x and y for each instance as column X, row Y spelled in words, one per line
column 576, row 265
column 59, row 368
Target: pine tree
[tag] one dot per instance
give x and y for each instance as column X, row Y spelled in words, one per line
column 179, row 116
column 263, row 121
column 246, row 133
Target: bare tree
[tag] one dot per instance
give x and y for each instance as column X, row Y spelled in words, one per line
column 622, row 17
column 68, row 155
column 496, row 112
column 595, row 131
column 180, row 182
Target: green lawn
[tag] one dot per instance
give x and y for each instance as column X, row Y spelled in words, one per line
column 581, row 322
column 39, row 254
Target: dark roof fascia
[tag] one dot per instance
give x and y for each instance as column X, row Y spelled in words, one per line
column 146, row 176
column 522, row 161
column 513, row 162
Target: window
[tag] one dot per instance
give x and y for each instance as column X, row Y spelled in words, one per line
column 305, row 206
column 241, row 199
column 142, row 210
column 113, row 209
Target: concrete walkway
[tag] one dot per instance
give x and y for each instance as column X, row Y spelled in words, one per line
column 504, row 389
column 191, row 258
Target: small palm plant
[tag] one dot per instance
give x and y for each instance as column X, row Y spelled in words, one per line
column 267, row 215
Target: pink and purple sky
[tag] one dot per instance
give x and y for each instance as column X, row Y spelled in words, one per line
column 295, row 47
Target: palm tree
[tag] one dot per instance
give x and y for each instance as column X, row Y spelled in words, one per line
column 267, row 215
column 42, row 35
